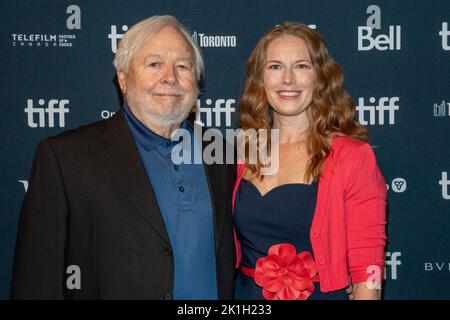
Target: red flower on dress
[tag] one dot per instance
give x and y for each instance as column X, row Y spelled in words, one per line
column 285, row 275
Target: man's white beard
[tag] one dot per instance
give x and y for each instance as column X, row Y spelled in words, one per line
column 170, row 118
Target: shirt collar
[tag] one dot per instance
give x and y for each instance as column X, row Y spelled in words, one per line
column 145, row 137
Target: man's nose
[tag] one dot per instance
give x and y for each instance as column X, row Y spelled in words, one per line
column 170, row 75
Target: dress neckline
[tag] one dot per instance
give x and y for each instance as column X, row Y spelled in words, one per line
column 281, row 186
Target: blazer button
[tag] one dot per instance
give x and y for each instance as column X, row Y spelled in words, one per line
column 315, row 235
column 322, row 261
column 327, row 284
column 168, row 251
column 167, row 296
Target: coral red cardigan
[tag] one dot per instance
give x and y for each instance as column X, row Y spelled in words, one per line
column 348, row 233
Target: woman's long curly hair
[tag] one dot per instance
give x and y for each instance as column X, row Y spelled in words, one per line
column 332, row 111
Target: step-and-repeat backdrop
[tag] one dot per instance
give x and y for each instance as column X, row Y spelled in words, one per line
column 57, row 74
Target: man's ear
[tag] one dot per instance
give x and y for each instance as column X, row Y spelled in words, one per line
column 121, row 78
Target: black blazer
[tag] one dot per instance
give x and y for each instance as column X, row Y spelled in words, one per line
column 90, row 203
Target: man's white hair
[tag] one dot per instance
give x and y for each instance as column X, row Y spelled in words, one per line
column 135, row 37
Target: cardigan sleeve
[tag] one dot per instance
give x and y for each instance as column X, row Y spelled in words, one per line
column 365, row 211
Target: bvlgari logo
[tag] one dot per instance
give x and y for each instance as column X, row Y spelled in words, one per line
column 439, row 266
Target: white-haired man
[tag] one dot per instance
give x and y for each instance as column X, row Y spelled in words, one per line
column 107, row 204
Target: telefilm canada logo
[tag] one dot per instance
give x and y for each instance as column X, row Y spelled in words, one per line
column 36, row 39
column 372, row 36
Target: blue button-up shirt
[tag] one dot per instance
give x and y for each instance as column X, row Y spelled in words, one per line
column 184, row 200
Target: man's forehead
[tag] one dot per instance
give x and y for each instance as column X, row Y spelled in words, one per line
column 168, row 36
column 158, row 45
column 180, row 57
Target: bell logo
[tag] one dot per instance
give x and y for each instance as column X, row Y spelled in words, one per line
column 53, row 107
column 444, row 33
column 444, row 182
column 382, row 42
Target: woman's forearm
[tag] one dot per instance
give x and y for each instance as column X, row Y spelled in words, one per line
column 362, row 291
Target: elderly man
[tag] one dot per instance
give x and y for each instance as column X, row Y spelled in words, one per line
column 108, row 215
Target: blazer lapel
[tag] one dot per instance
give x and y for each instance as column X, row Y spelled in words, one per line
column 124, row 161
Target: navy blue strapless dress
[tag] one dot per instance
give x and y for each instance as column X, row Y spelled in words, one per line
column 283, row 215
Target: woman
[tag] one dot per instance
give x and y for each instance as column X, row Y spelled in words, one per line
column 317, row 226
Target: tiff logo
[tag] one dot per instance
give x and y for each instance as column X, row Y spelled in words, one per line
column 382, row 42
column 53, row 107
column 439, row 110
column 444, row 182
column 114, row 36
column 384, row 104
column 392, row 261
column 220, row 106
column 444, row 33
